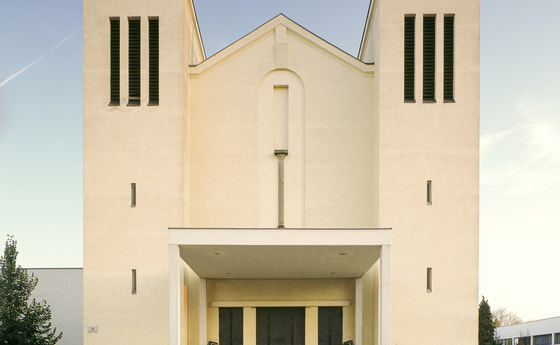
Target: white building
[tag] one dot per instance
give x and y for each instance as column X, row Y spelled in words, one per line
column 538, row 332
column 62, row 289
column 281, row 192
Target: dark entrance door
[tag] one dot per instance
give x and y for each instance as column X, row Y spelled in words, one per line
column 330, row 325
column 231, row 326
column 281, row 326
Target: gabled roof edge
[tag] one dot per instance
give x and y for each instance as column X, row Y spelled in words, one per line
column 197, row 28
column 296, row 28
column 369, row 19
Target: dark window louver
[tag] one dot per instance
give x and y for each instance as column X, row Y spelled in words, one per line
column 448, row 58
column 409, row 37
column 133, row 61
column 153, row 27
column 115, row 63
column 429, row 62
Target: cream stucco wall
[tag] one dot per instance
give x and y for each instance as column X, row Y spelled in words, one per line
column 331, row 157
column 331, row 145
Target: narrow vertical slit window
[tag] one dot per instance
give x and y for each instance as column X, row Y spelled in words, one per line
column 448, row 58
column 429, row 279
column 409, row 37
column 133, row 61
column 153, row 57
column 429, row 62
column 115, row 60
column 429, row 192
column 134, row 283
column 133, row 195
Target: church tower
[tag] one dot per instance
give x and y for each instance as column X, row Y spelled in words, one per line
column 136, row 54
column 426, row 55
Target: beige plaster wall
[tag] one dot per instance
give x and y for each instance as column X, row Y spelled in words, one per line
column 331, row 160
column 332, row 154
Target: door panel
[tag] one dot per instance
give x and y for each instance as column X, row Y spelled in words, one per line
column 281, row 326
column 231, row 326
column 330, row 325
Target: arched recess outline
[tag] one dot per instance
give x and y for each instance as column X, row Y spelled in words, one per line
column 294, row 188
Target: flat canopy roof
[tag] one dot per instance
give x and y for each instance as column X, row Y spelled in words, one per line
column 279, row 253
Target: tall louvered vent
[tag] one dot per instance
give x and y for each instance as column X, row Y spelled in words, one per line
column 448, row 56
column 153, row 26
column 134, row 61
column 429, row 63
column 115, row 63
column 409, row 26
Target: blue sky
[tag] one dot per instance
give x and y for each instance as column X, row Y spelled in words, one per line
column 41, row 130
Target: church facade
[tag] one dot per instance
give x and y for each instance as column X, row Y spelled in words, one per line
column 281, row 191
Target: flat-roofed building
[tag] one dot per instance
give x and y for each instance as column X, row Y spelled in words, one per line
column 536, row 332
column 62, row 289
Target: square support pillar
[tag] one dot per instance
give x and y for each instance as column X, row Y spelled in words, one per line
column 358, row 333
column 311, row 325
column 385, row 296
column 249, row 326
column 202, row 318
column 176, row 302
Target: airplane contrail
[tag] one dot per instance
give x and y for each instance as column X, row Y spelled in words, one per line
column 487, row 140
column 7, row 80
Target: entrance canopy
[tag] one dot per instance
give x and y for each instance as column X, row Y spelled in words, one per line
column 283, row 254
column 279, row 253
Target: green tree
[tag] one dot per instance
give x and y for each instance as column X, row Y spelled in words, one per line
column 486, row 327
column 22, row 322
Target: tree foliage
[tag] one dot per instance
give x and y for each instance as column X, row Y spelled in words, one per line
column 22, row 322
column 486, row 327
column 504, row 317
